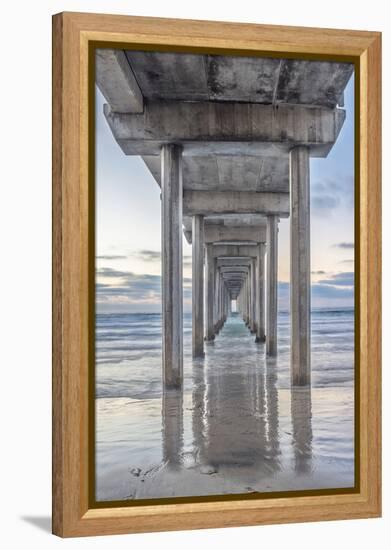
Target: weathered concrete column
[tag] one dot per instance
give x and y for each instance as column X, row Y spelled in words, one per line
column 209, row 291
column 245, row 300
column 260, row 294
column 225, row 303
column 300, row 286
column 253, row 325
column 220, row 301
column 248, row 298
column 216, row 326
column 272, row 284
column 198, row 286
column 215, row 296
column 172, row 293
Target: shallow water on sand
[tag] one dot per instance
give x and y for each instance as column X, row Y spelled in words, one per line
column 237, row 427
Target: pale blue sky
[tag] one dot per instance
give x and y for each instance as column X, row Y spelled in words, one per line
column 128, row 226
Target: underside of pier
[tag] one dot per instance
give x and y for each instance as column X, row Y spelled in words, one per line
column 229, row 142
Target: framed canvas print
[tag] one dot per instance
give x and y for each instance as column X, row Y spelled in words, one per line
column 216, row 295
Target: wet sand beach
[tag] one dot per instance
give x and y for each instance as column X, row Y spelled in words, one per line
column 237, row 427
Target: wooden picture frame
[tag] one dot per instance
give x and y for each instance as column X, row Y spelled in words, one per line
column 73, row 33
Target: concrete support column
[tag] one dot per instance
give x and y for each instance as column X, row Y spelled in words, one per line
column 245, row 300
column 217, row 302
column 209, row 291
column 300, row 285
column 223, row 302
column 260, row 294
column 172, row 293
column 198, row 286
column 249, row 298
column 253, row 325
column 272, row 285
column 215, row 297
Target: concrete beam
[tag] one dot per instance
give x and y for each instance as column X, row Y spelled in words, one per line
column 270, row 81
column 202, row 121
column 228, row 221
column 117, row 83
column 235, row 261
column 233, row 278
column 231, row 220
column 209, row 203
column 230, row 250
column 234, row 269
column 216, row 233
column 235, row 172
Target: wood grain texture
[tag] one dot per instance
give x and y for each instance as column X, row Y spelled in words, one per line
column 72, row 277
column 57, row 461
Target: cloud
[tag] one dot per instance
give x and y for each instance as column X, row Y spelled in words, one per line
column 131, row 289
column 329, row 194
column 337, row 291
column 127, row 287
column 324, row 202
column 149, row 255
column 320, row 272
column 155, row 256
column 339, row 279
column 111, row 257
column 346, row 262
column 112, row 273
column 344, row 246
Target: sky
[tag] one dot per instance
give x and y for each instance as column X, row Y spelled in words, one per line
column 128, row 228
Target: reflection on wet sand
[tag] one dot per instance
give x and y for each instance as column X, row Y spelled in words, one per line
column 235, row 421
column 235, row 417
column 236, row 427
column 301, row 412
column 172, row 428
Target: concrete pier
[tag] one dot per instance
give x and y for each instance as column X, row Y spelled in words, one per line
column 260, row 294
column 198, row 286
column 172, row 292
column 300, row 267
column 246, row 144
column 272, row 285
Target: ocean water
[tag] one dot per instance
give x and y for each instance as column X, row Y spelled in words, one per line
column 237, row 427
